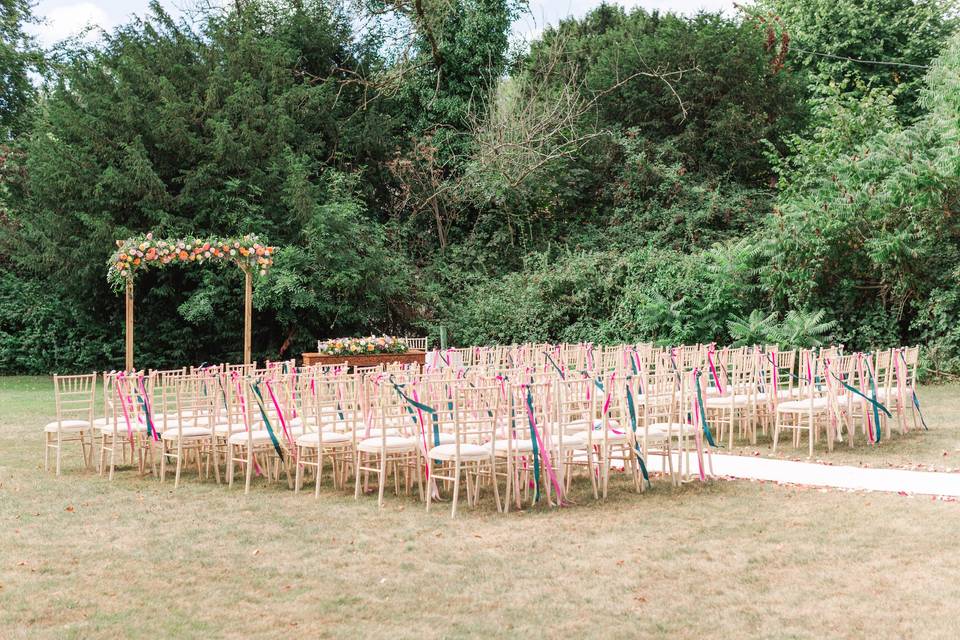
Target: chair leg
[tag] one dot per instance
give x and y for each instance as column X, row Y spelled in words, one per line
column 176, row 477
column 163, row 461
column 507, row 485
column 496, row 485
column 103, row 453
column 316, row 489
column 590, row 472
column 456, row 489
column 250, row 461
column 46, row 451
column 776, row 431
column 229, row 465
column 356, row 484
column 429, row 475
column 113, row 459
column 606, row 451
column 383, row 479
column 298, row 478
column 59, row 449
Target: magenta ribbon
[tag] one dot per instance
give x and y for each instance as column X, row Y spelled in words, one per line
column 146, row 407
column 283, row 422
column 713, row 369
column 544, row 453
column 118, row 379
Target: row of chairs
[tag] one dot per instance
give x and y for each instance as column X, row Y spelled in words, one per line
column 518, row 433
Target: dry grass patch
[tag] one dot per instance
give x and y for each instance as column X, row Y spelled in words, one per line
column 86, row 558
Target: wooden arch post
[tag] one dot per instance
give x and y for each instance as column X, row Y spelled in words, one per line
column 247, row 313
column 129, row 335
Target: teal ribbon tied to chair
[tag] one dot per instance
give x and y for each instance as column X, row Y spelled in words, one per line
column 258, row 396
column 536, row 448
column 916, row 403
column 877, row 406
column 555, row 366
column 223, row 394
column 145, row 404
column 415, row 404
column 916, row 400
column 703, row 412
column 633, row 425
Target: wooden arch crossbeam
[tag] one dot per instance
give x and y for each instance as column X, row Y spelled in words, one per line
column 144, row 252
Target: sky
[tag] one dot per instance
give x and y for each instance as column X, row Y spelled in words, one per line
column 64, row 18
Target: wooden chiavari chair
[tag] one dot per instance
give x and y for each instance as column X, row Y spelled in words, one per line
column 389, row 443
column 330, row 427
column 123, row 425
column 182, row 435
column 476, row 414
column 810, row 411
column 75, row 397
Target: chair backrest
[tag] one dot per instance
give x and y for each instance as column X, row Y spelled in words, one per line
column 75, row 396
column 366, row 371
column 476, row 414
column 533, row 402
column 418, row 344
column 909, row 360
column 575, row 406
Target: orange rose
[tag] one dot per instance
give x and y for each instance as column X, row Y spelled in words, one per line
column 136, row 261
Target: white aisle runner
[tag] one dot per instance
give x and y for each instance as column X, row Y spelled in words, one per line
column 809, row 473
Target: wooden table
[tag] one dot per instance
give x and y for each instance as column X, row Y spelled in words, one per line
column 365, row 360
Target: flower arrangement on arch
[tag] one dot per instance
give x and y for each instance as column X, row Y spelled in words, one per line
column 372, row 345
column 144, row 251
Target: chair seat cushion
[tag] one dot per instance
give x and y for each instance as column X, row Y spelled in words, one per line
column 665, row 429
column 584, row 424
column 467, row 452
column 596, row 437
column 330, row 438
column 432, row 441
column 171, row 425
column 376, row 433
column 390, row 443
column 186, row 432
column 259, row 436
column 799, row 406
column 223, row 428
column 67, row 425
column 737, row 400
column 136, row 427
column 522, row 446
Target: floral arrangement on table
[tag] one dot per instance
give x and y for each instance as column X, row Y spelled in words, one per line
column 144, row 251
column 361, row 346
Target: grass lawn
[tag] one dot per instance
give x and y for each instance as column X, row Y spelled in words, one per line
column 85, row 558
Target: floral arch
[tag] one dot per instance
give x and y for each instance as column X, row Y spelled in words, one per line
column 140, row 253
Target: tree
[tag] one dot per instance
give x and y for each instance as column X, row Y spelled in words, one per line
column 242, row 126
column 18, row 57
column 867, row 225
column 859, row 45
column 711, row 85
